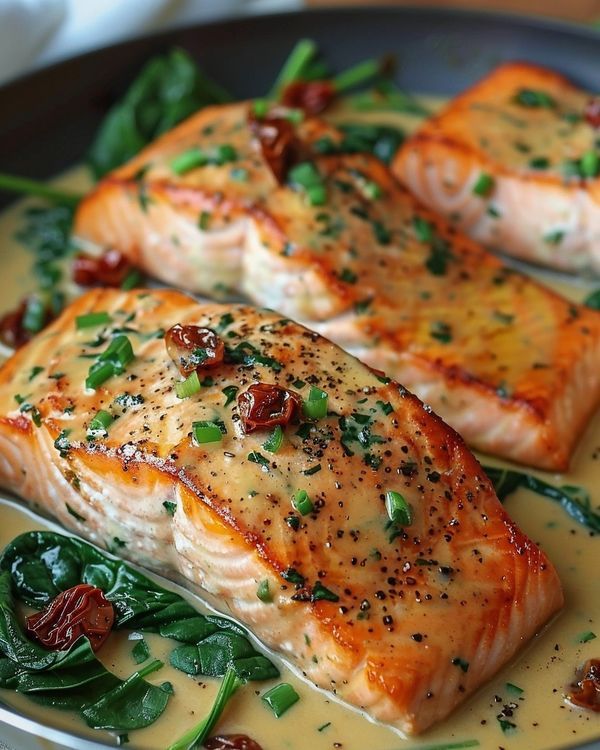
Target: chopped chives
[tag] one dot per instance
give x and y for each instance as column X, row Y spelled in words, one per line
column 260, row 108
column 399, row 511
column 275, row 440
column 280, row 698
column 189, row 386
column 589, row 164
column 263, row 592
column 294, row 67
column 99, row 372
column 188, row 160
column 356, row 75
column 315, row 406
column 196, row 157
column 534, row 98
column 119, row 353
column 206, row 432
column 90, row 320
column 483, row 185
column 132, row 280
column 204, row 220
column 586, row 637
column 306, row 176
column 302, row 502
column 593, row 300
column 99, row 424
column 423, row 229
column 35, row 315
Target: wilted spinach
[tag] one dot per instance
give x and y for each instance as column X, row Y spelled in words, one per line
column 574, row 500
column 73, row 679
column 168, row 89
column 43, row 563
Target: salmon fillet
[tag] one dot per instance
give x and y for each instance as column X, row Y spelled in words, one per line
column 510, row 365
column 515, row 164
column 360, row 604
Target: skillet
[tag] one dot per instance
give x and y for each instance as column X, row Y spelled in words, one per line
column 48, row 117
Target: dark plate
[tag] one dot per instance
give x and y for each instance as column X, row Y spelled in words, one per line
column 49, row 117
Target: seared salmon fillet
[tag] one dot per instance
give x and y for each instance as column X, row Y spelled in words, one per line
column 510, row 365
column 515, row 163
column 368, row 524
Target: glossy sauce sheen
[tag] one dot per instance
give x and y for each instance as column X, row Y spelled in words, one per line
column 541, row 671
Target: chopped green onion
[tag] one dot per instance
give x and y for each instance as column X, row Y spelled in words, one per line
column 196, row 157
column 514, row 689
column 317, row 195
column 99, row 424
column 263, row 592
column 423, row 229
column 280, row 698
column 99, row 372
column 484, row 185
column 586, row 637
column 35, row 315
column 294, row 67
column 204, row 220
column 302, row 502
column 315, row 406
column 91, row 320
column 589, row 164
column 260, row 108
column 119, row 353
column 132, row 280
column 275, row 440
column 399, row 511
column 356, row 75
column 22, row 185
column 306, row 176
column 188, row 160
column 195, row 737
column 206, row 432
column 533, row 98
column 189, row 386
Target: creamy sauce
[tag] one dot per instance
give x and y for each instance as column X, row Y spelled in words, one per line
column 542, row 671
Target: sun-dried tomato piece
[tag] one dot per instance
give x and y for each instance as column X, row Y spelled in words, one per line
column 12, row 331
column 266, row 405
column 592, row 112
column 278, row 142
column 194, row 348
column 586, row 692
column 231, row 742
column 80, row 610
column 109, row 269
column 311, row 96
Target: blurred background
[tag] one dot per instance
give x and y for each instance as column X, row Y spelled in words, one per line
column 36, row 32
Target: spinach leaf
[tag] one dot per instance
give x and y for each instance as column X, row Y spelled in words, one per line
column 132, row 704
column 574, row 500
column 213, row 655
column 43, row 563
column 168, row 89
